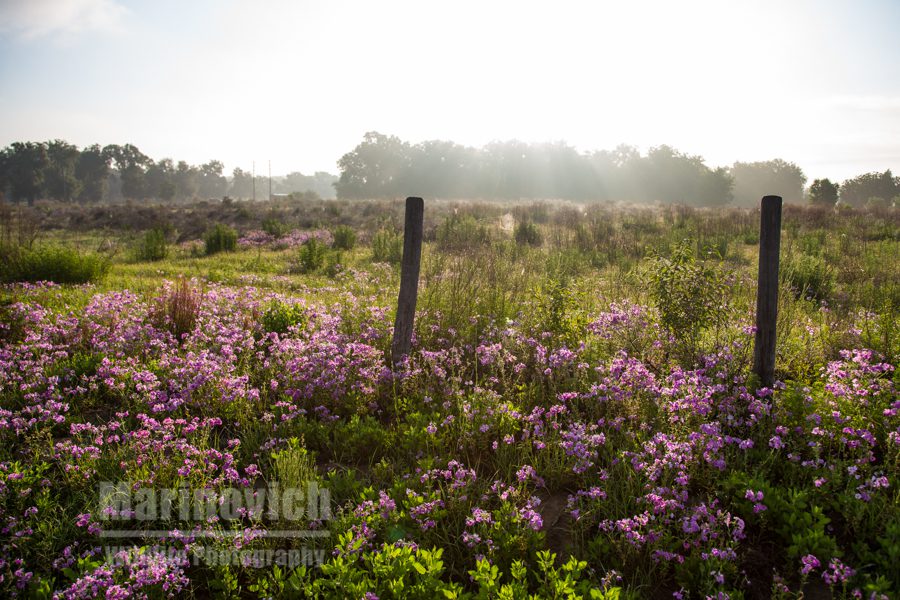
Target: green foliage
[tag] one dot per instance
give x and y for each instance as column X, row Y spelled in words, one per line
column 399, row 571
column 809, row 276
column 389, row 572
column 493, row 281
column 823, row 193
column 281, row 316
column 689, row 294
column 813, row 243
column 51, row 263
column 311, row 257
column 801, row 524
column 557, row 311
column 527, row 233
column 220, row 238
column 152, row 246
column 754, row 180
column 344, row 238
column 459, row 233
column 293, row 466
column 857, row 191
column 334, row 265
column 551, row 581
column 387, row 247
column 384, row 166
column 275, row 227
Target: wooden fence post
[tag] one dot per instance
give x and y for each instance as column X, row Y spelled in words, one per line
column 409, row 278
column 767, row 290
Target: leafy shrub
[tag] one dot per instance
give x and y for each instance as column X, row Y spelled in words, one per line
column 280, row 316
column 152, row 246
column 687, row 293
column 312, row 256
column 556, row 310
column 717, row 247
column 334, row 264
column 220, row 238
column 387, row 246
column 344, row 238
column 459, row 233
column 293, row 466
column 812, row 243
column 809, row 276
column 527, row 233
column 274, row 227
column 51, row 263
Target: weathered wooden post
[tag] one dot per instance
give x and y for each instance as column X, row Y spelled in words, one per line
column 767, row 290
column 409, row 278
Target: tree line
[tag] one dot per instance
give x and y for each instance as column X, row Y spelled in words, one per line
column 58, row 170
column 383, row 166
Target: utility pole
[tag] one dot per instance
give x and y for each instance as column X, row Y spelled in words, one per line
column 253, row 177
column 270, row 180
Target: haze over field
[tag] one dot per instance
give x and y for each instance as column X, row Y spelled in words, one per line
column 815, row 83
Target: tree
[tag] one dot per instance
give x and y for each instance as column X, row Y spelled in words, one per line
column 186, row 181
column 4, row 176
column 823, row 193
column 92, row 171
column 25, row 164
column 776, row 177
column 131, row 164
column 506, row 170
column 857, row 191
column 669, row 176
column 377, row 168
column 160, row 180
column 212, row 184
column 323, row 184
column 441, row 169
column 241, row 183
column 295, row 182
column 60, row 179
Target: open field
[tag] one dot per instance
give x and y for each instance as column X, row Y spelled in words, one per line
column 577, row 417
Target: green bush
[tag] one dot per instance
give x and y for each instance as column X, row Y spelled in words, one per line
column 812, row 243
column 152, row 246
column 809, row 276
column 334, row 264
column 312, row 256
column 280, row 316
column 344, row 238
column 387, row 246
column 274, row 227
column 51, row 263
column 527, row 233
column 461, row 233
column 689, row 295
column 220, row 238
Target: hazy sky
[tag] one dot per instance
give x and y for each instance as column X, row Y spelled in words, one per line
column 816, row 82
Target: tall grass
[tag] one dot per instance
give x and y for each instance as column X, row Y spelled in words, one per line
column 51, row 263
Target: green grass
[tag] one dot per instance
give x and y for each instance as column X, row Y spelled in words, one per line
column 598, row 250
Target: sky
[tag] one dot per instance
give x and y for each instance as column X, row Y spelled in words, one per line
column 298, row 82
